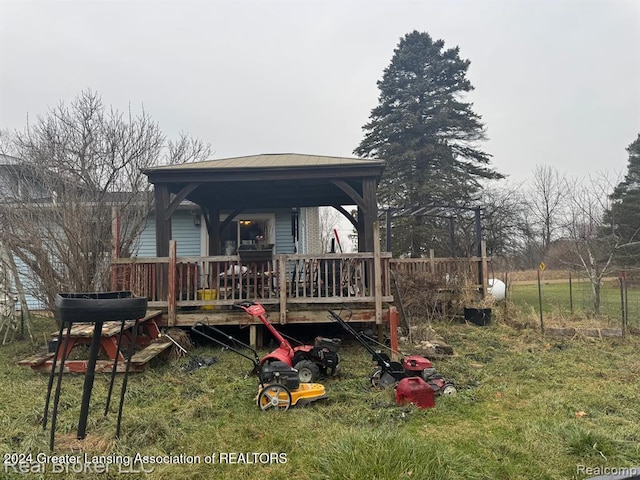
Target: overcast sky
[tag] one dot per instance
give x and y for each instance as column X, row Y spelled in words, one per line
column 557, row 82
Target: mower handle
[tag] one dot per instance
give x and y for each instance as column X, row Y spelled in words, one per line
column 252, row 308
column 227, row 345
column 359, row 336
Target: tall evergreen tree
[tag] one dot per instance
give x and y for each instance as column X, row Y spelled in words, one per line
column 624, row 214
column 428, row 136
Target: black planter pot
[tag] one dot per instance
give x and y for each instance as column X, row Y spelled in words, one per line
column 478, row 316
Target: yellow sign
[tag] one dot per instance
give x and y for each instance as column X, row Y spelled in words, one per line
column 542, row 266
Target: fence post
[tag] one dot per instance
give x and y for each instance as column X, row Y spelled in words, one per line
column 625, row 326
column 484, row 284
column 623, row 303
column 505, row 278
column 540, row 302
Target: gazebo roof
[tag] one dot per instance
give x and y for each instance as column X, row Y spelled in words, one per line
column 269, row 180
column 270, row 161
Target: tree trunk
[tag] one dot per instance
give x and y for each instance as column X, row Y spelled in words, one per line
column 595, row 289
column 10, row 264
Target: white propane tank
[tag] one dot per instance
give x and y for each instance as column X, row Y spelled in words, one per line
column 497, row 288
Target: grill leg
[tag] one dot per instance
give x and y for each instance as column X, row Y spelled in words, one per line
column 88, row 380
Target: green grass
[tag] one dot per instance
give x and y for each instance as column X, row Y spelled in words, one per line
column 557, row 300
column 514, row 417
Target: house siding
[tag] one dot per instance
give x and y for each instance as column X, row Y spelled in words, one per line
column 284, row 240
column 184, row 232
column 29, row 286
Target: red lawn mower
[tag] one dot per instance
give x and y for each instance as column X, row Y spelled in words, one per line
column 280, row 385
column 389, row 372
column 311, row 361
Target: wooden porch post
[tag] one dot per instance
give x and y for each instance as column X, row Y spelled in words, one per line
column 377, row 272
column 361, row 231
column 116, row 226
column 171, row 284
column 163, row 224
column 213, row 229
column 369, row 187
column 394, row 321
column 163, row 235
column 282, row 287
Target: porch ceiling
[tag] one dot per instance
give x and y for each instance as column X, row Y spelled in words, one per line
column 266, row 181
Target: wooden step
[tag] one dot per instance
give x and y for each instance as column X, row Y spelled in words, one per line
column 149, row 352
column 42, row 363
column 37, row 359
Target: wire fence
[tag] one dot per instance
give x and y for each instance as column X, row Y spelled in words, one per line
column 574, row 297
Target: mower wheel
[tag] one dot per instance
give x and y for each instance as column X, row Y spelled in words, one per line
column 274, row 396
column 307, row 371
column 448, row 389
column 298, row 357
column 375, row 377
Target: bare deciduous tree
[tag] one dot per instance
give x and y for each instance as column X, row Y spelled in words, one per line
column 547, row 203
column 77, row 164
column 593, row 242
column 329, row 219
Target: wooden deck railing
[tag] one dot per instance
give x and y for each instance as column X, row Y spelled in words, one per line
column 224, row 280
column 207, row 282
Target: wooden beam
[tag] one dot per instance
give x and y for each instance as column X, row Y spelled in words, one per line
column 347, row 215
column 229, row 317
column 181, row 195
column 230, row 218
column 349, row 190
